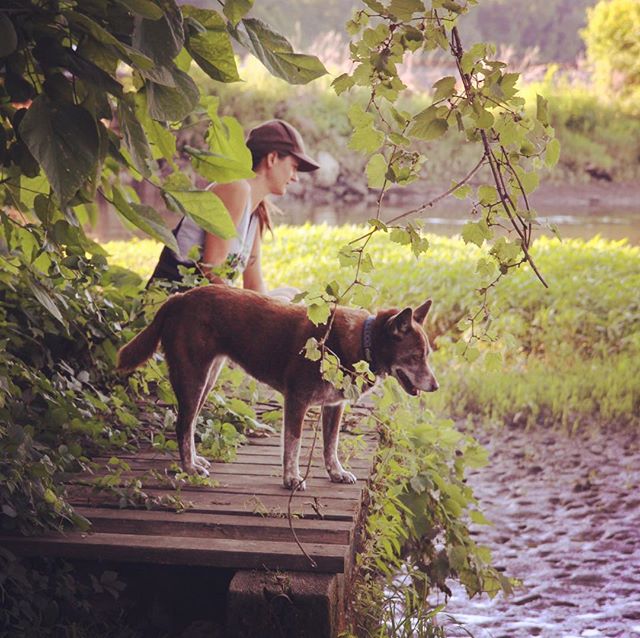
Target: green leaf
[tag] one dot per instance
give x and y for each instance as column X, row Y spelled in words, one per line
column 318, row 312
column 552, row 154
column 342, row 83
column 207, row 210
column 542, row 110
column 404, row 9
column 276, row 53
column 311, row 350
column 64, row 140
column 428, row 129
column 8, row 36
column 145, row 218
column 46, row 300
column 161, row 39
column 484, row 119
column 376, row 169
column 162, row 141
column 235, row 10
column 488, row 194
column 210, row 45
column 134, row 137
column 144, row 8
column 463, row 192
column 476, row 232
column 169, row 104
column 366, row 139
column 444, row 87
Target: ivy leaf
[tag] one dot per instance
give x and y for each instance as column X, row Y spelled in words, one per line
column 209, row 44
column 276, row 53
column 64, row 140
column 552, row 154
column 235, row 10
column 445, row 87
column 376, row 169
column 342, row 83
column 476, row 232
column 430, row 130
column 145, row 218
column 169, row 104
column 206, row 209
column 542, row 110
column 404, row 9
column 318, row 312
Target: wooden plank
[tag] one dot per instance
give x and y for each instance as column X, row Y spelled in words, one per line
column 209, row 552
column 236, row 484
column 219, row 503
column 158, row 523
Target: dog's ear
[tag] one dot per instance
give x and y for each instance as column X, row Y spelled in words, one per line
column 420, row 313
column 400, row 323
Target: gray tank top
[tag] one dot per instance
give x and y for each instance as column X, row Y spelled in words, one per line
column 188, row 234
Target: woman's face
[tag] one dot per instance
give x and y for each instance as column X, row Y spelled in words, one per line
column 280, row 171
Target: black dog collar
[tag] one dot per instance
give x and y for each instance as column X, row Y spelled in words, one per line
column 367, row 342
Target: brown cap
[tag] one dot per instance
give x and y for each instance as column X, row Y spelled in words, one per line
column 278, row 135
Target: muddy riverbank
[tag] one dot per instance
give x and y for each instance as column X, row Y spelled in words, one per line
column 566, row 521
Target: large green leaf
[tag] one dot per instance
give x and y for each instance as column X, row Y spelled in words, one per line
column 8, row 36
column 276, row 53
column 145, row 218
column 134, row 137
column 206, row 209
column 228, row 157
column 169, row 104
column 64, row 140
column 209, row 44
column 162, row 39
column 145, row 8
column 235, row 10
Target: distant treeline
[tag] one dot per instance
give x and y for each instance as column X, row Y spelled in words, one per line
column 551, row 25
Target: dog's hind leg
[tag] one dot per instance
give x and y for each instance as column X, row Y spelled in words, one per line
column 331, row 417
column 294, row 412
column 212, row 377
column 189, row 383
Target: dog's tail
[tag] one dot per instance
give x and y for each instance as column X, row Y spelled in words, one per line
column 145, row 343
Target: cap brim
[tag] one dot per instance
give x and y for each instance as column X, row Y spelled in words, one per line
column 305, row 163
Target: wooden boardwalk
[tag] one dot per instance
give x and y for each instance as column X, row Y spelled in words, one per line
column 240, row 524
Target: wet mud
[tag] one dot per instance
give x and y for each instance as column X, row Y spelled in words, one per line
column 566, row 514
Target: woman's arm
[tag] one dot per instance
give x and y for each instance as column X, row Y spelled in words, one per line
column 252, row 276
column 215, row 251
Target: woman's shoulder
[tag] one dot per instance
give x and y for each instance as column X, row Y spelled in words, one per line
column 235, row 196
column 239, row 189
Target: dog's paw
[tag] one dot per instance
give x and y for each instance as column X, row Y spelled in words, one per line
column 294, row 483
column 194, row 469
column 342, row 476
column 201, row 461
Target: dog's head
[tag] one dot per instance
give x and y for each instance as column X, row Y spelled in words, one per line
column 405, row 349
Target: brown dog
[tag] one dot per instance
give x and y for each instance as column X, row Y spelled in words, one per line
column 200, row 328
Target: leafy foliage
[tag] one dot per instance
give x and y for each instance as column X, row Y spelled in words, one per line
column 612, row 44
column 91, row 90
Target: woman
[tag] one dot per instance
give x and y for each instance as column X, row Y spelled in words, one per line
column 278, row 155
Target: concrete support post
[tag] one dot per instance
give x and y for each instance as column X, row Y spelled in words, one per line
column 285, row 605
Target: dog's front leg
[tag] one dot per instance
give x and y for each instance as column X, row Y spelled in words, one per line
column 331, row 417
column 294, row 412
